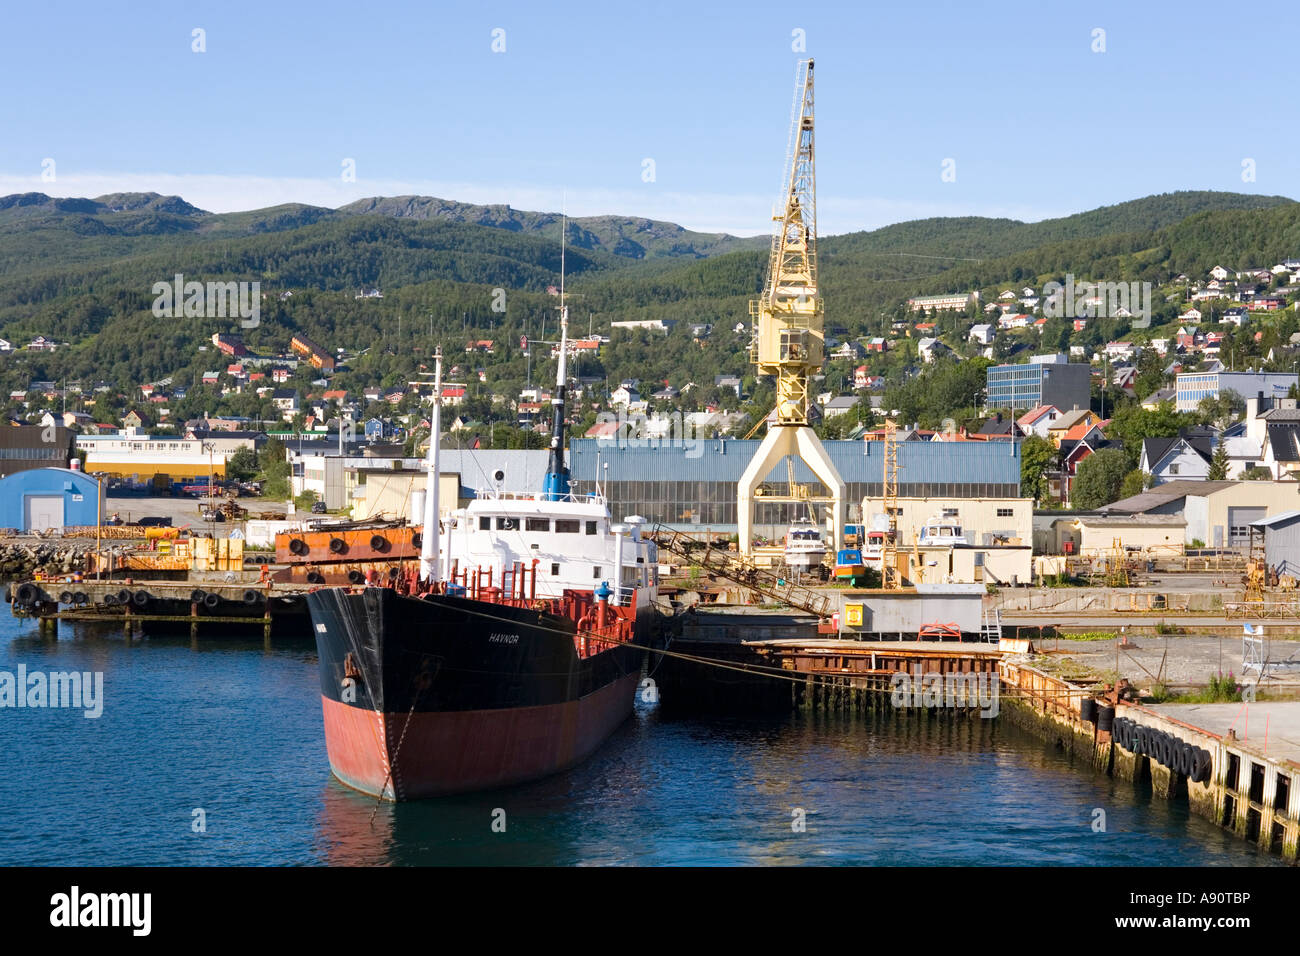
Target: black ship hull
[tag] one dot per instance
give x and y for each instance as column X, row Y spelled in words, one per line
column 439, row 694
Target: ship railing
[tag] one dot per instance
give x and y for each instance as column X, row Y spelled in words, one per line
column 491, row 494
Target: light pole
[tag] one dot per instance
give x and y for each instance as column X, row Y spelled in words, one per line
column 209, row 447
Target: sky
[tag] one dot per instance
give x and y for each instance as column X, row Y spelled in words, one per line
column 669, row 110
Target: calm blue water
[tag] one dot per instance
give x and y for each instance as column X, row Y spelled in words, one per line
column 236, row 730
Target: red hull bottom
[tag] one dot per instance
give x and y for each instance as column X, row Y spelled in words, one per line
column 461, row 751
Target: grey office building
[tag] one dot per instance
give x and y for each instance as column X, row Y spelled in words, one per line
column 1067, row 385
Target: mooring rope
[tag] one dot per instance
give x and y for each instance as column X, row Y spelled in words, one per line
column 393, row 760
column 762, row 670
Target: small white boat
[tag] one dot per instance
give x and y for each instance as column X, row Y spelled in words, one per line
column 874, row 546
column 942, row 531
column 874, row 549
column 804, row 547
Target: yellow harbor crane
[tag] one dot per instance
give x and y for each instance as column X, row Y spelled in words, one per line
column 788, row 336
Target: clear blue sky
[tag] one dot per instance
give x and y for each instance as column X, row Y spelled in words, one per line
column 1038, row 124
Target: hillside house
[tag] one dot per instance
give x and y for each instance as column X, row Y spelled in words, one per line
column 1038, row 420
column 1057, row 430
column 1186, row 456
column 624, row 395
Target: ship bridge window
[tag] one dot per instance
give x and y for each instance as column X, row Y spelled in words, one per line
column 591, row 527
column 484, row 523
column 555, row 568
column 537, row 524
column 595, row 571
column 566, row 526
column 507, row 524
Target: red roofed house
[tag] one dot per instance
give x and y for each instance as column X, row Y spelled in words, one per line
column 1078, row 444
column 1038, row 420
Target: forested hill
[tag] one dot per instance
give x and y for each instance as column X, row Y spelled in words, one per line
column 983, row 238
column 39, row 231
column 81, row 271
column 633, row 237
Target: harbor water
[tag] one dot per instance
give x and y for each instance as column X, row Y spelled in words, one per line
column 213, row 754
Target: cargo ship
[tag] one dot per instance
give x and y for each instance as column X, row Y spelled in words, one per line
column 510, row 651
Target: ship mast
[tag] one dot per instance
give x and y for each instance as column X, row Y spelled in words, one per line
column 556, row 484
column 429, row 563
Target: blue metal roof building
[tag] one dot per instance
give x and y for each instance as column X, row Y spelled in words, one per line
column 40, row 499
column 694, row 480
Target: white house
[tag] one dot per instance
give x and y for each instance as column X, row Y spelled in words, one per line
column 1175, row 459
column 983, row 334
column 839, row 405
column 1038, row 420
column 624, row 395
column 929, row 349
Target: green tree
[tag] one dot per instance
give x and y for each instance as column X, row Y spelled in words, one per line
column 242, row 465
column 1036, row 456
column 1099, row 478
column 1220, row 411
column 1256, row 473
column 1218, row 462
column 1130, row 424
column 1135, row 482
column 275, row 469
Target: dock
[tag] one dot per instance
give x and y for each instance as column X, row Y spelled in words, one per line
column 1237, row 763
column 178, row 607
column 728, row 658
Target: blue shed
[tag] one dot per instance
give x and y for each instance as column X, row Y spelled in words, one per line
column 39, row 499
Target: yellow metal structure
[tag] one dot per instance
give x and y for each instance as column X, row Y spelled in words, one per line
column 176, row 554
column 218, row 554
column 788, row 339
column 889, row 577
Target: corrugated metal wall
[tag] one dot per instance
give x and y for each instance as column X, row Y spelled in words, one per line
column 694, row 481
column 1282, row 547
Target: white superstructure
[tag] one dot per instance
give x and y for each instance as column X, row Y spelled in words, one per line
column 573, row 540
column 942, row 531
